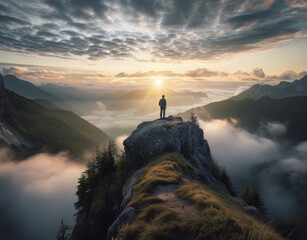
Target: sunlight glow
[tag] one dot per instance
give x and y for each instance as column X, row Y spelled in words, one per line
column 158, row 81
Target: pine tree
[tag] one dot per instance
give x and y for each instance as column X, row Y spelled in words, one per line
column 194, row 118
column 252, row 197
column 62, row 233
column 227, row 182
column 101, row 165
column 215, row 169
column 221, row 175
column 102, row 180
column 257, row 200
column 246, row 195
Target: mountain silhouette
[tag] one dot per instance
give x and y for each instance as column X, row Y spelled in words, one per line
column 282, row 90
column 252, row 115
column 31, row 128
column 29, row 90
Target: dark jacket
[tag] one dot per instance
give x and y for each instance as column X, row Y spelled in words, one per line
column 162, row 103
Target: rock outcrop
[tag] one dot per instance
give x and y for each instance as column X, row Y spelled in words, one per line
column 3, row 99
column 169, row 135
column 254, row 212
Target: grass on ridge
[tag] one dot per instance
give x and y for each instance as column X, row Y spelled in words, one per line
column 220, row 215
column 162, row 170
column 223, row 220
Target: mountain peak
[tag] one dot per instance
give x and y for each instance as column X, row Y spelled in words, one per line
column 170, row 134
column 304, row 78
column 282, row 90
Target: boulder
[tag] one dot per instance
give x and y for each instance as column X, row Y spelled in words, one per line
column 254, row 212
column 169, row 135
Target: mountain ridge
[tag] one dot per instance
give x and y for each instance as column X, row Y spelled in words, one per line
column 252, row 114
column 281, row 90
column 29, row 90
column 45, row 130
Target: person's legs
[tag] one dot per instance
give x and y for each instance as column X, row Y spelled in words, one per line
column 163, row 112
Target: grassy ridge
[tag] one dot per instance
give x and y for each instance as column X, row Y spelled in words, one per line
column 52, row 130
column 220, row 216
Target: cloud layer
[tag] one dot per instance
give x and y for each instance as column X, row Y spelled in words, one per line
column 43, row 74
column 158, row 29
column 278, row 170
column 35, row 195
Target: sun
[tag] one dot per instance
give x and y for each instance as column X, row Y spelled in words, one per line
column 158, row 81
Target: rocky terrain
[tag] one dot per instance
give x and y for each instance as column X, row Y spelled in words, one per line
column 169, row 135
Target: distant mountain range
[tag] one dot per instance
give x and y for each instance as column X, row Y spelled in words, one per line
column 33, row 128
column 29, row 90
column 63, row 96
column 253, row 115
column 113, row 96
column 260, row 105
column 282, row 90
column 82, row 102
column 66, row 92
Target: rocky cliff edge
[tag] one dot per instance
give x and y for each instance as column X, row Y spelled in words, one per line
column 170, row 134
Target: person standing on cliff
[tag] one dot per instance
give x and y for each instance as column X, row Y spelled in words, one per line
column 162, row 104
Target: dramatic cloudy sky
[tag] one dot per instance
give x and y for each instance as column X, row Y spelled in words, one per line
column 117, row 41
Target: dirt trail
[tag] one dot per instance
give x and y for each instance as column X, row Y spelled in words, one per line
column 183, row 207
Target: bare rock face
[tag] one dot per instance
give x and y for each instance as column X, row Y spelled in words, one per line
column 169, row 135
column 3, row 99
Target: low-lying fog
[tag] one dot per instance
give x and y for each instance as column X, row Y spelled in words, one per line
column 278, row 170
column 36, row 194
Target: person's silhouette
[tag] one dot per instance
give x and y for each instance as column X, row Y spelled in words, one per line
column 162, row 104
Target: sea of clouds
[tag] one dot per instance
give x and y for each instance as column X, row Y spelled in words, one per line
column 36, row 194
column 277, row 169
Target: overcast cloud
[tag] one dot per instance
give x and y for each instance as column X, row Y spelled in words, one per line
column 168, row 30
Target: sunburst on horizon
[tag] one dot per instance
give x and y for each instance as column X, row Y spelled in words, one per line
column 158, row 82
